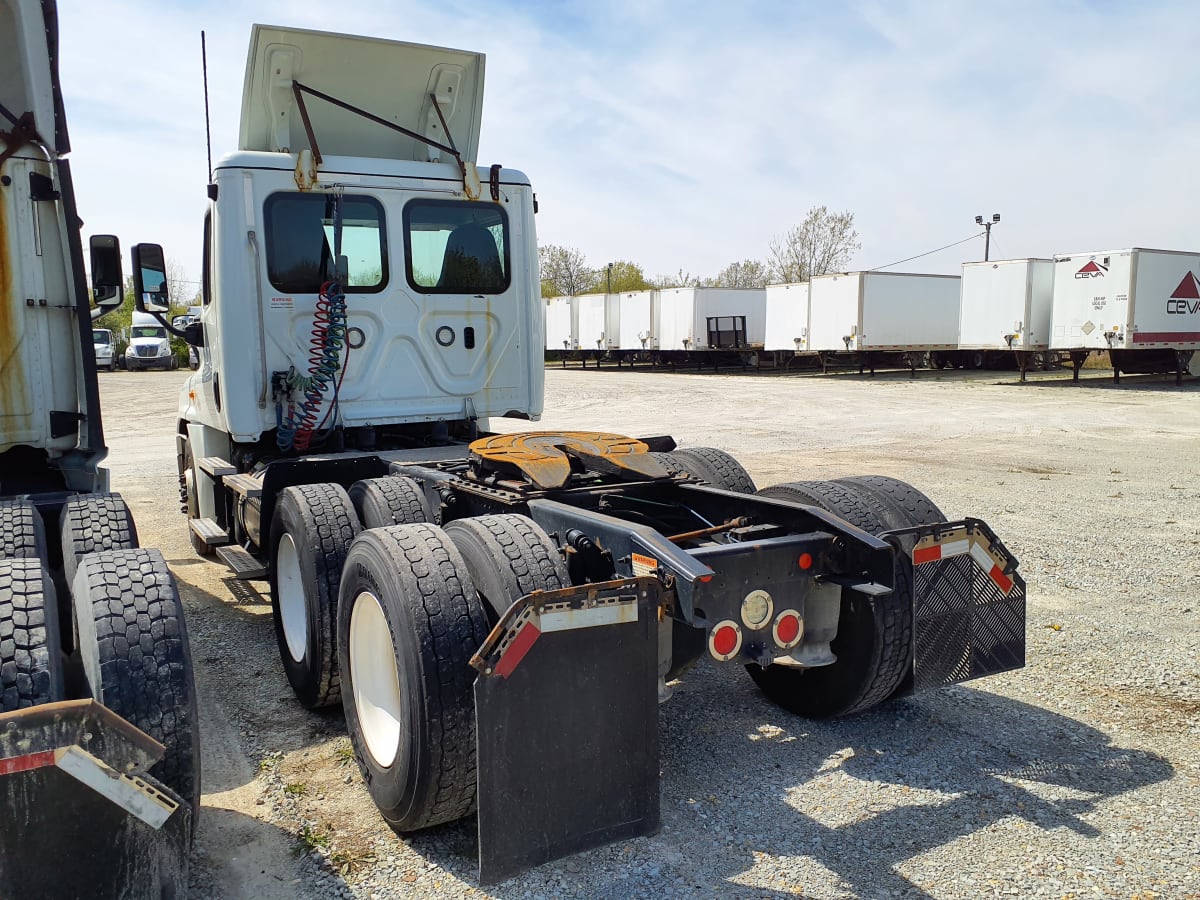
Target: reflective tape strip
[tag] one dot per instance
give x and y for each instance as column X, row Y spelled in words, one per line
column 25, row 763
column 940, row 551
column 608, row 614
column 131, row 794
column 515, row 652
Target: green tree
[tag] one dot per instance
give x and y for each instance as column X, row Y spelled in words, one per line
column 565, row 272
column 749, row 273
column 623, row 276
column 822, row 243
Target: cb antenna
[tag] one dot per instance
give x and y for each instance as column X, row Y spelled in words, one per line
column 207, row 126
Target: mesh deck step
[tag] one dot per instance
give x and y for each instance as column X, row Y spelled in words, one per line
column 245, row 567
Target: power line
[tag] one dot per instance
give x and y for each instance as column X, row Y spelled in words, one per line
column 927, row 253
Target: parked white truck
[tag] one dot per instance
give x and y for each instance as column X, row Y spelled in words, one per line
column 500, row 614
column 1142, row 306
column 99, row 756
column 103, row 348
column 149, row 345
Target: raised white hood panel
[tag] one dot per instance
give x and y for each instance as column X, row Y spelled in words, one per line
column 390, row 79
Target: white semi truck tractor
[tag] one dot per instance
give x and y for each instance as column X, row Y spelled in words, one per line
column 99, row 755
column 499, row 615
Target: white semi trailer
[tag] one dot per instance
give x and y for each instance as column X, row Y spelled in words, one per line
column 869, row 317
column 1005, row 308
column 99, row 751
column 499, row 614
column 786, row 318
column 1142, row 306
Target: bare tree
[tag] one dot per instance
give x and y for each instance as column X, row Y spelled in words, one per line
column 822, row 243
column 182, row 290
column 565, row 272
column 749, row 273
column 679, row 279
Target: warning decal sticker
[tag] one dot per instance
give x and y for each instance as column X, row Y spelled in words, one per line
column 644, row 565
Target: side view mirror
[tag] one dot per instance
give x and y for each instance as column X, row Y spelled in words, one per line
column 150, row 278
column 107, row 280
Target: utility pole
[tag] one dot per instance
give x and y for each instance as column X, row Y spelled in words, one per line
column 987, row 233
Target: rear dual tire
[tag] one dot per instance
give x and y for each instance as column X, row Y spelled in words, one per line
column 874, row 640
column 31, row 664
column 409, row 620
column 311, row 531
column 716, row 467
column 134, row 646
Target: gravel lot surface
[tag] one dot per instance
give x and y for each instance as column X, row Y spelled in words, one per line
column 1078, row 776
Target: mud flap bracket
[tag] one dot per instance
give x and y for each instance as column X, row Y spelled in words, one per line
column 567, row 721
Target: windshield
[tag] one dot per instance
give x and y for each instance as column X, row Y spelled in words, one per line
column 101, row 337
column 148, row 331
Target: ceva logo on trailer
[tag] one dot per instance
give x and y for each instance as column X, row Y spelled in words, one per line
column 1186, row 297
column 1092, row 270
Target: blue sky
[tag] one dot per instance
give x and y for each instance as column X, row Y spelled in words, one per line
column 687, row 136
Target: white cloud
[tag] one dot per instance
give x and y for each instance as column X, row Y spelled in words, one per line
column 686, row 136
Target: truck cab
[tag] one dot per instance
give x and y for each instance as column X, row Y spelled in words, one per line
column 149, row 344
column 102, row 347
column 370, row 306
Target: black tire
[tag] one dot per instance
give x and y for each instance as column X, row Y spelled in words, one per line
column 94, row 522
column 507, row 557
column 874, row 639
column 716, row 467
column 315, row 524
column 192, row 501
column 133, row 642
column 903, row 506
column 22, row 532
column 419, row 612
column 31, row 664
column 900, row 506
column 391, row 500
column 670, row 463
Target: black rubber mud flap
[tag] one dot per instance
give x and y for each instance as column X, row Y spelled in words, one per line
column 82, row 817
column 567, row 721
column 968, row 604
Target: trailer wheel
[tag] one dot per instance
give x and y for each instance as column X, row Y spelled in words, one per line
column 94, row 522
column 134, row 646
column 409, row 619
column 31, row 665
column 22, row 532
column 391, row 500
column 311, row 532
column 873, row 643
column 507, row 557
column 716, row 467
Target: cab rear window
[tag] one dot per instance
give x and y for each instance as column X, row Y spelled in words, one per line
column 456, row 248
column 300, row 242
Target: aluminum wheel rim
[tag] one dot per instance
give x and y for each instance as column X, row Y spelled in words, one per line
column 376, row 680
column 293, row 608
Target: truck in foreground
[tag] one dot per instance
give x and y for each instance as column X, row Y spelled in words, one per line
column 99, row 756
column 499, row 615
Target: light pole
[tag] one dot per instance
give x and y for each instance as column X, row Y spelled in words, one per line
column 987, row 232
column 609, row 291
